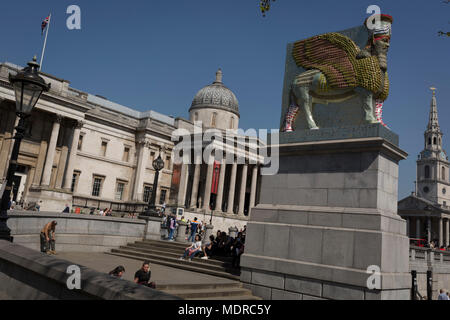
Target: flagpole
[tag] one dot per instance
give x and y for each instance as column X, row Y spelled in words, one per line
column 45, row 41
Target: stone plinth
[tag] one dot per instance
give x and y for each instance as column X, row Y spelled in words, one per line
column 181, row 234
column 324, row 219
column 52, row 200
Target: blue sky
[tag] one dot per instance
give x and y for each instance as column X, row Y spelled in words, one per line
column 158, row 54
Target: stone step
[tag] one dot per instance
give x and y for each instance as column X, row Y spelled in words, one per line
column 209, row 293
column 190, row 266
column 165, row 244
column 174, row 255
column 201, row 286
column 176, row 259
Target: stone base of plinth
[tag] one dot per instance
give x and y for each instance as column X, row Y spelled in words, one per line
column 327, row 225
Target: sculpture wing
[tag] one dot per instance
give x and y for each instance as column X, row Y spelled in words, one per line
column 333, row 54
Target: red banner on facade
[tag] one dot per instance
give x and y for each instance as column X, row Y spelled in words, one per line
column 215, row 178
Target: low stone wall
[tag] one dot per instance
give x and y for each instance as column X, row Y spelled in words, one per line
column 77, row 232
column 26, row 274
column 436, row 261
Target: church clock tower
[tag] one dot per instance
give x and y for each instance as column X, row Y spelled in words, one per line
column 433, row 165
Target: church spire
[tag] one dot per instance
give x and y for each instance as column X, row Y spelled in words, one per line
column 433, row 123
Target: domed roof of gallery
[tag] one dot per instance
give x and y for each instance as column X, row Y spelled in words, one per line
column 216, row 96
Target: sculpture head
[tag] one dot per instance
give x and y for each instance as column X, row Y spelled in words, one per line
column 380, row 31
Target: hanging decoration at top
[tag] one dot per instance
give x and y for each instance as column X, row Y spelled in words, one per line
column 265, row 6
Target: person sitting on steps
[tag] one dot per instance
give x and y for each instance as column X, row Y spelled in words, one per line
column 194, row 249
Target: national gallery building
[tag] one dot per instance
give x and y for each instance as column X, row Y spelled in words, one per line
column 88, row 152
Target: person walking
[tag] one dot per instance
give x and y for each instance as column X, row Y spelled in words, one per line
column 194, row 225
column 172, row 227
column 48, row 238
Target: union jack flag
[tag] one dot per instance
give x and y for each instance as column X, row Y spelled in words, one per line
column 44, row 24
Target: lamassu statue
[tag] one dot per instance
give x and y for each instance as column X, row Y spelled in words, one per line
column 338, row 70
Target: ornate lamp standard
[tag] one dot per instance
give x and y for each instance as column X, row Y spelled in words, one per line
column 28, row 87
column 158, row 165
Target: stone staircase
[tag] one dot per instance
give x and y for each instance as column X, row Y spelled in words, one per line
column 168, row 253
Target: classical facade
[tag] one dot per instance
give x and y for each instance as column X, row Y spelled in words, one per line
column 427, row 209
column 223, row 183
column 86, row 151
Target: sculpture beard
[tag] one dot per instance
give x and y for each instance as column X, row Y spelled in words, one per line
column 380, row 50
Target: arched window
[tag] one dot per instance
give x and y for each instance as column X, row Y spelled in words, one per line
column 196, row 116
column 429, row 141
column 434, row 140
column 232, row 123
column 443, row 173
column 427, row 172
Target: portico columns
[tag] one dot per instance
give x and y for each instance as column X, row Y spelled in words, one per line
column 441, row 232
column 429, row 230
column 183, row 184
column 447, row 233
column 221, row 186
column 232, row 188
column 243, row 190
column 408, row 234
column 207, row 197
column 417, row 228
column 51, row 152
column 253, row 187
column 140, row 170
column 197, row 163
column 72, row 156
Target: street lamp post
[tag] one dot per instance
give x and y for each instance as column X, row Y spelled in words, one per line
column 28, row 87
column 158, row 165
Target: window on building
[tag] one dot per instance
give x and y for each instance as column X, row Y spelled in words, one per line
column 120, row 187
column 97, row 186
column 162, row 197
column 103, row 149
column 429, row 141
column 126, row 154
column 152, row 157
column 214, row 119
column 196, row 116
column 232, row 123
column 75, row 178
column 427, row 172
column 443, row 173
column 80, row 141
column 147, row 193
column 167, row 163
column 434, row 141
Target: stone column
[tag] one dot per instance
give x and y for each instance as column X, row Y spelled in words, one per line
column 72, row 155
column 417, row 228
column 208, row 182
column 447, row 232
column 243, row 189
column 408, row 234
column 219, row 200
column 429, row 230
column 441, row 232
column 195, row 183
column 181, row 234
column 232, row 188
column 62, row 159
column 143, row 156
column 183, row 185
column 46, row 176
column 253, row 187
column 208, row 232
